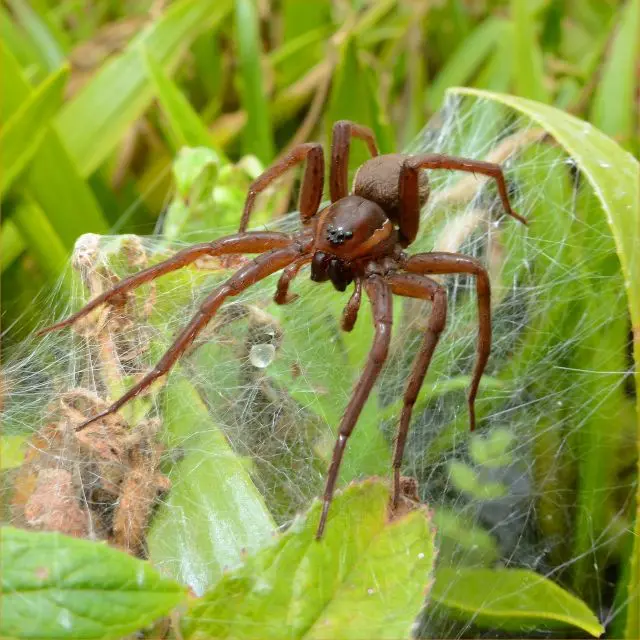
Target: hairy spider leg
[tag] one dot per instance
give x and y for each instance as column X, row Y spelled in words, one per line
column 350, row 312
column 452, row 263
column 343, row 131
column 381, row 302
column 261, row 267
column 312, row 182
column 408, row 187
column 254, row 242
column 416, row 286
column 282, row 290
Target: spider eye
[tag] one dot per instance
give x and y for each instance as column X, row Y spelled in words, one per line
column 337, row 235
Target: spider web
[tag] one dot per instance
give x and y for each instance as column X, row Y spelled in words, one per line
column 546, row 482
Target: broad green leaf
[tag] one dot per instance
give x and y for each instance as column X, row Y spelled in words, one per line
column 55, row 586
column 465, row 60
column 613, row 108
column 513, row 600
column 528, row 71
column 93, row 122
column 365, row 579
column 186, row 128
column 214, row 510
column 614, row 176
column 21, row 135
column 258, row 133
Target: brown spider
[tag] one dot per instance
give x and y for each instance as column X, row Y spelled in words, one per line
column 357, row 238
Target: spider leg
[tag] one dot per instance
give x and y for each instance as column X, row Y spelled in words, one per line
column 258, row 269
column 416, row 286
column 350, row 313
column 312, row 182
column 408, row 190
column 343, row 131
column 441, row 262
column 255, row 242
column 381, row 302
column 282, row 292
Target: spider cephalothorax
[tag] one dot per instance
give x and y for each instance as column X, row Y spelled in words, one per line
column 358, row 238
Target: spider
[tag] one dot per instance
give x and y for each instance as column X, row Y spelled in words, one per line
column 358, row 238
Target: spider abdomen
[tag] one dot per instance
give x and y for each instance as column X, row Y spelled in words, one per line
column 377, row 180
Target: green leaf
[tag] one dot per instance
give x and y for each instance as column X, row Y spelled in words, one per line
column 528, row 78
column 513, row 600
column 187, row 130
column 613, row 108
column 22, row 134
column 365, row 579
column 214, row 510
column 54, row 586
column 258, row 133
column 93, row 122
column 614, row 176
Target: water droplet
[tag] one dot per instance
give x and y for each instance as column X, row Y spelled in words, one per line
column 262, row 586
column 605, row 165
column 262, row 355
column 420, row 556
column 64, row 619
column 371, row 591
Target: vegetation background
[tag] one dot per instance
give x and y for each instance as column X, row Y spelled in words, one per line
column 97, row 98
column 255, row 78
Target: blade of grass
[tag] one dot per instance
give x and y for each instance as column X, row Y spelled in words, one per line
column 49, row 50
column 92, row 124
column 258, row 133
column 11, row 244
column 43, row 241
column 186, row 128
column 613, row 108
column 464, row 61
column 497, row 72
column 17, row 42
column 22, row 134
column 52, row 178
column 14, row 88
column 528, row 79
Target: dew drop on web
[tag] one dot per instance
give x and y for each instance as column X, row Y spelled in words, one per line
column 262, row 355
